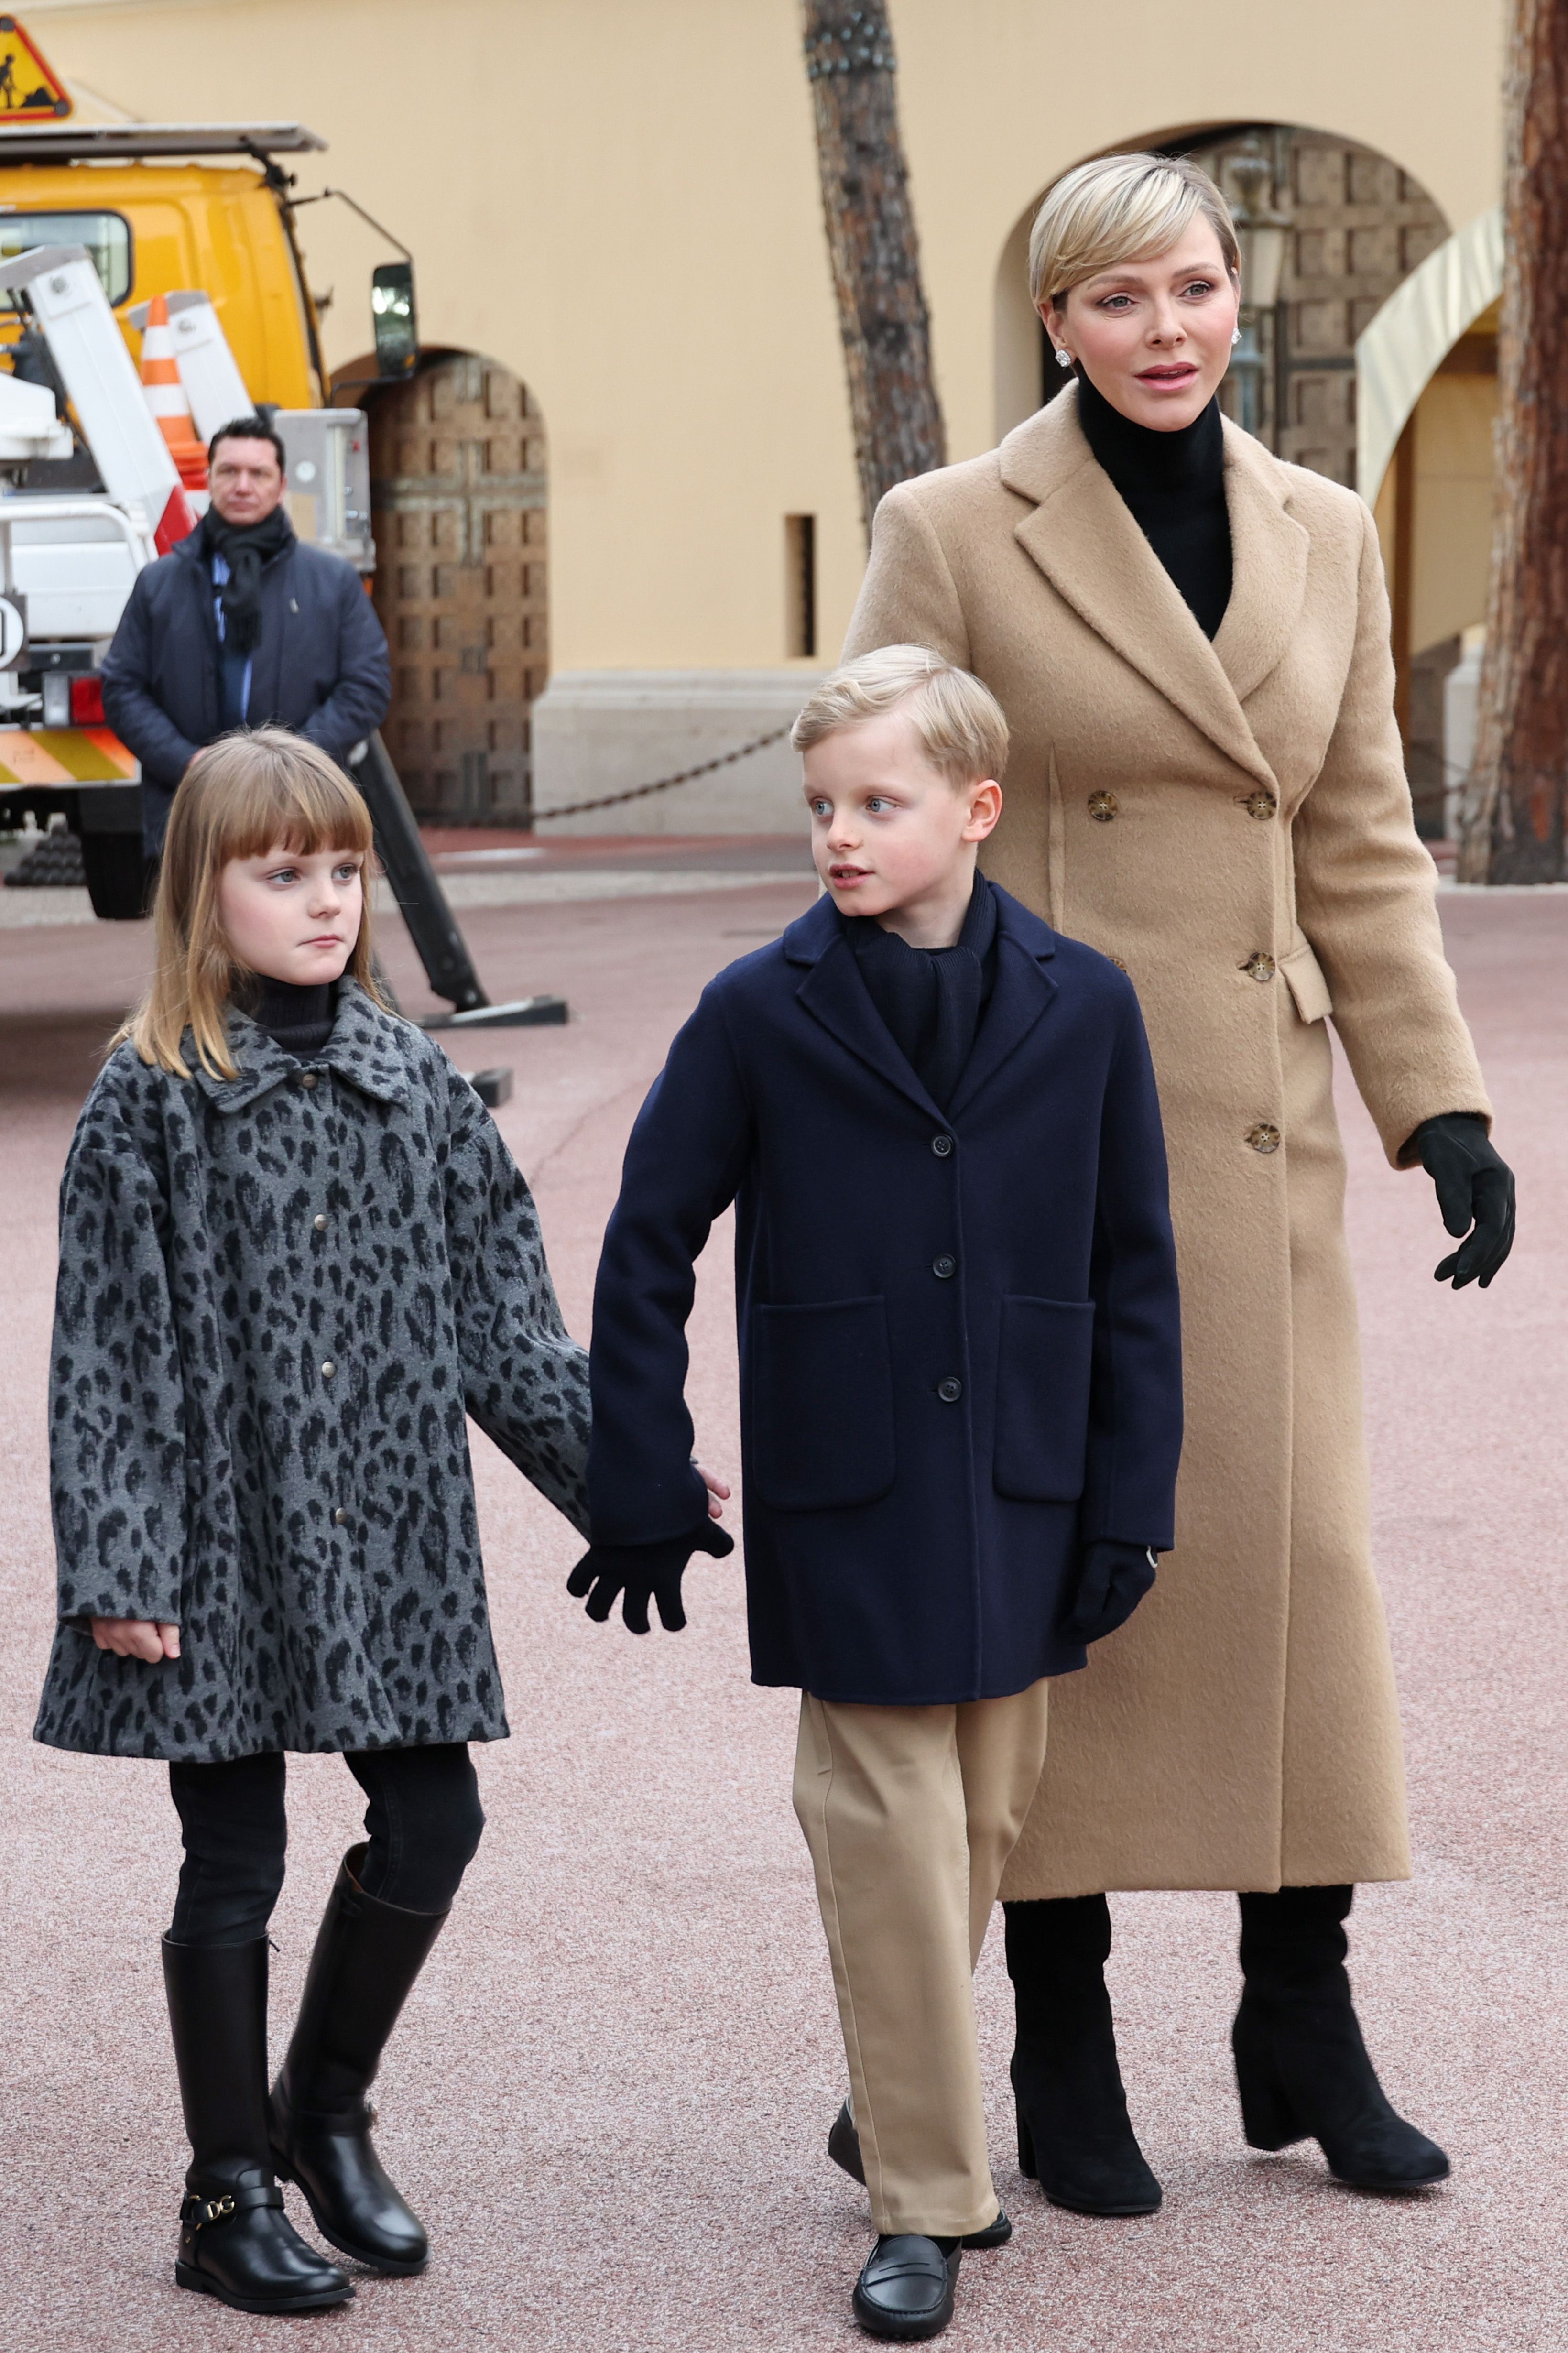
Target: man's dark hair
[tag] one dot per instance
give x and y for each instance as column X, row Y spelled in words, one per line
column 250, row 428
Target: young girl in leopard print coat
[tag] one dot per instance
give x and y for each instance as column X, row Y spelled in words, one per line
column 295, row 1255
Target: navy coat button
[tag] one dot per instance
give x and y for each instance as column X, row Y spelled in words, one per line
column 319, row 1224
column 949, row 1390
column 941, row 1145
column 340, row 1519
column 944, row 1266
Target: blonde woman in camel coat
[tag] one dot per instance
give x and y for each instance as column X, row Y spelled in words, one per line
column 1206, row 783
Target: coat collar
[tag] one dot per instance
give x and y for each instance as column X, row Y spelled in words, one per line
column 363, row 1049
column 1083, row 538
column 834, row 993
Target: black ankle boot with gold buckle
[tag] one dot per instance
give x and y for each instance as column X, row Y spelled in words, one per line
column 367, row 1956
column 237, row 2244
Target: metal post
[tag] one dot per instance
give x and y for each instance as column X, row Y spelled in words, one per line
column 422, row 903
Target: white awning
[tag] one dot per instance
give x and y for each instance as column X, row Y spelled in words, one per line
column 1413, row 332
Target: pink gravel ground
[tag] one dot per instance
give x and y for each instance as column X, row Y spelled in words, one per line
column 611, row 2090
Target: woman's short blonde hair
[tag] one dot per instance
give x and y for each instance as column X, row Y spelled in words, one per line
column 246, row 793
column 1121, row 208
column 958, row 720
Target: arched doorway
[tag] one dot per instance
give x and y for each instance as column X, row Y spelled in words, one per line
column 1359, row 225
column 458, row 496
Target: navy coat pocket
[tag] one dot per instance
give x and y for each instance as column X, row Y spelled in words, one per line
column 1043, row 1367
column 822, row 1399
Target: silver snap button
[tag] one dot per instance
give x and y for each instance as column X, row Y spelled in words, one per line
column 328, row 1369
column 319, row 1224
column 340, row 1518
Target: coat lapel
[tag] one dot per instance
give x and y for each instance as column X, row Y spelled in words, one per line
column 1269, row 566
column 1084, row 540
column 833, row 994
column 1024, row 990
column 363, row 1049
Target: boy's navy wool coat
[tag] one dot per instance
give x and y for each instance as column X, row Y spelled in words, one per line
column 960, row 1346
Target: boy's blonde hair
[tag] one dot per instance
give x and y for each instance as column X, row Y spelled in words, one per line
column 251, row 792
column 958, row 720
column 1121, row 208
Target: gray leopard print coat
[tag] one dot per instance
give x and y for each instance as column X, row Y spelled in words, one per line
column 279, row 1295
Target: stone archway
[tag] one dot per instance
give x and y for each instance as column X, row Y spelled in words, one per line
column 1359, row 226
column 458, row 492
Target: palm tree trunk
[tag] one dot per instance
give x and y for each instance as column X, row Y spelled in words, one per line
column 1513, row 805
column 872, row 246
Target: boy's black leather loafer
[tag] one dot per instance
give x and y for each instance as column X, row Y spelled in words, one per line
column 906, row 2287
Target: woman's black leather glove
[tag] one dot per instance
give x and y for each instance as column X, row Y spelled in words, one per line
column 1113, row 1582
column 1475, row 1193
column 643, row 1573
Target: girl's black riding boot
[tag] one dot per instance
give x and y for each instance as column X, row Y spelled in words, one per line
column 1075, row 2137
column 367, row 1956
column 235, row 2241
column 1302, row 2066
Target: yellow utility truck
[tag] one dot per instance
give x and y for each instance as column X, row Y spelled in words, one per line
column 97, row 220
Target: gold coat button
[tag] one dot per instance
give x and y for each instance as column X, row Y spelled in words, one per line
column 1261, row 805
column 1259, row 967
column 1264, row 1137
column 319, row 1224
column 328, row 1369
column 1102, row 807
column 307, row 1078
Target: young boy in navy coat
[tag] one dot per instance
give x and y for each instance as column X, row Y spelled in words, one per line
column 961, row 1387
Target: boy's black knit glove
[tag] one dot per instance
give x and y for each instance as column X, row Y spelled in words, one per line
column 1113, row 1582
column 1475, row 1193
column 643, row 1573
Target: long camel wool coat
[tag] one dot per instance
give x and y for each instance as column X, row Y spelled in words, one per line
column 1231, row 822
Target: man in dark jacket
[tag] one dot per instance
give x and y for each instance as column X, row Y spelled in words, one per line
column 959, row 1381
column 242, row 626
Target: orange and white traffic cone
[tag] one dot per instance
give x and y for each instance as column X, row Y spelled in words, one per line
column 166, row 397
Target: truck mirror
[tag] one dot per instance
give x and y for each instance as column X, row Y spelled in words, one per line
column 393, row 318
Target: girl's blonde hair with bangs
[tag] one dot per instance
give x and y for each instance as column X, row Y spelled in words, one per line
column 254, row 791
column 1121, row 208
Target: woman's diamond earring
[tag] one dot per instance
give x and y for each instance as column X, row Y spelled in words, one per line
column 1234, row 335
column 1064, row 359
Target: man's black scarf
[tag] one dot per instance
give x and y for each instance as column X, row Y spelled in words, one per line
column 245, row 548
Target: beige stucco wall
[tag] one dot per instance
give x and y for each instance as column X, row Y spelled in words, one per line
column 618, row 199
column 1451, row 556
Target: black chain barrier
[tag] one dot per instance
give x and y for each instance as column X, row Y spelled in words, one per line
column 640, row 792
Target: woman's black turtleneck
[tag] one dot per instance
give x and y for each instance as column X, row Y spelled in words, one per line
column 299, row 1019
column 1173, row 484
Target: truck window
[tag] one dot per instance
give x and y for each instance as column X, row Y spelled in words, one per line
column 107, row 236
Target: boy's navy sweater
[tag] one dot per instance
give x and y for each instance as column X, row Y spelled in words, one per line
column 932, row 998
column 960, row 1350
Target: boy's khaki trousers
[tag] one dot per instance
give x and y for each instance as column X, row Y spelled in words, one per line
column 910, row 1813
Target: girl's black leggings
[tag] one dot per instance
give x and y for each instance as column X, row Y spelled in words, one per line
column 423, row 1821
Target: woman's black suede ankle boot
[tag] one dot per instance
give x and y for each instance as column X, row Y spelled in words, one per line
column 1075, row 2137
column 235, row 2241
column 1302, row 2066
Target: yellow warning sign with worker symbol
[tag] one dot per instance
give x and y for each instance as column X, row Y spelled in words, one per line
column 30, row 89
